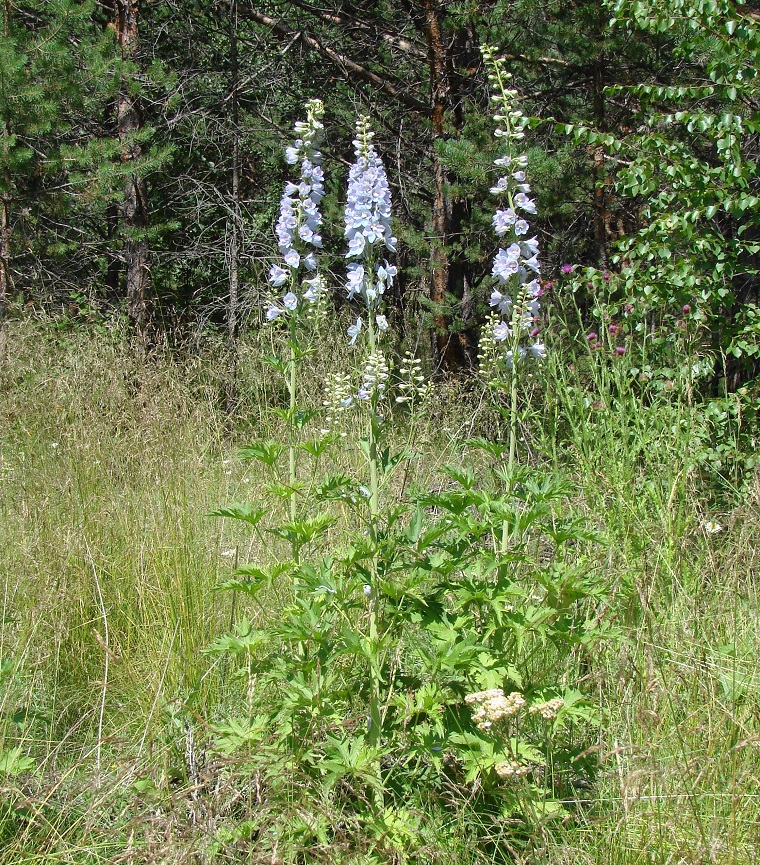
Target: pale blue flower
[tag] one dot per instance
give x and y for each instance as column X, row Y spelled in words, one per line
column 273, row 312
column 527, row 204
column 538, row 350
column 354, row 330
column 368, row 201
column 516, row 294
column 501, row 331
column 315, row 287
column 502, row 220
column 299, row 217
column 382, row 322
column 368, row 226
column 277, row 276
column 521, row 227
column 290, row 301
column 504, row 265
column 502, row 301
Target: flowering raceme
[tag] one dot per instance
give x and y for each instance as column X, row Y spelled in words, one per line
column 299, row 222
column 515, row 266
column 367, row 230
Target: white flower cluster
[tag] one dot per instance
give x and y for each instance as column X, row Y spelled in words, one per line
column 376, row 373
column 515, row 266
column 492, row 706
column 510, row 769
column 412, row 384
column 547, row 710
column 299, row 221
column 338, row 397
column 368, row 227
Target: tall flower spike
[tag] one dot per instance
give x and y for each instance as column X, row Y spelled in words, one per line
column 298, row 225
column 368, row 230
column 515, row 266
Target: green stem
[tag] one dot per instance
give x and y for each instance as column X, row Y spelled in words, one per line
column 375, row 720
column 292, row 428
column 292, row 444
column 513, row 393
column 374, row 486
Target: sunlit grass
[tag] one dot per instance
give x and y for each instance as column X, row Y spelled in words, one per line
column 109, row 562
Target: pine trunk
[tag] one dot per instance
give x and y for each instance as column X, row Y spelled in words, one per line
column 440, row 92
column 598, row 172
column 134, row 209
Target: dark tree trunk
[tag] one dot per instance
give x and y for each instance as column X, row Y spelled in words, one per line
column 134, row 209
column 447, row 280
column 440, row 92
column 598, row 173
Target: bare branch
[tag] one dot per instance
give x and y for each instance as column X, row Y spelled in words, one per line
column 347, row 66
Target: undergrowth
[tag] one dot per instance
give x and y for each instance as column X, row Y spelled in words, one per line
column 114, row 744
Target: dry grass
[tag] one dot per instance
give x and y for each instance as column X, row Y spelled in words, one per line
column 108, row 562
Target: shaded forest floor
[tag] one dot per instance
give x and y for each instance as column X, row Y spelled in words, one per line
column 108, row 561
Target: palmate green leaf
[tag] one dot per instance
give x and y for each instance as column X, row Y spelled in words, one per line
column 267, row 452
column 316, row 447
column 304, row 531
column 236, row 733
column 296, row 417
column 465, row 477
column 334, row 487
column 576, row 529
column 244, row 639
column 351, row 757
column 254, row 578
column 283, row 491
column 456, row 656
column 241, row 511
column 496, row 449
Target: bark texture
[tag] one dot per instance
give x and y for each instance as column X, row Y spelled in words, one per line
column 440, row 90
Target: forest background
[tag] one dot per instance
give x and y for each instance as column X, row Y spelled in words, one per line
column 141, row 169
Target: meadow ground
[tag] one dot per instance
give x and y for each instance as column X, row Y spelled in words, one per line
column 109, row 562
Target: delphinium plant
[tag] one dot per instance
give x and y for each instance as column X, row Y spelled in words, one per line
column 469, row 597
column 511, row 336
column 297, row 301
column 298, row 232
